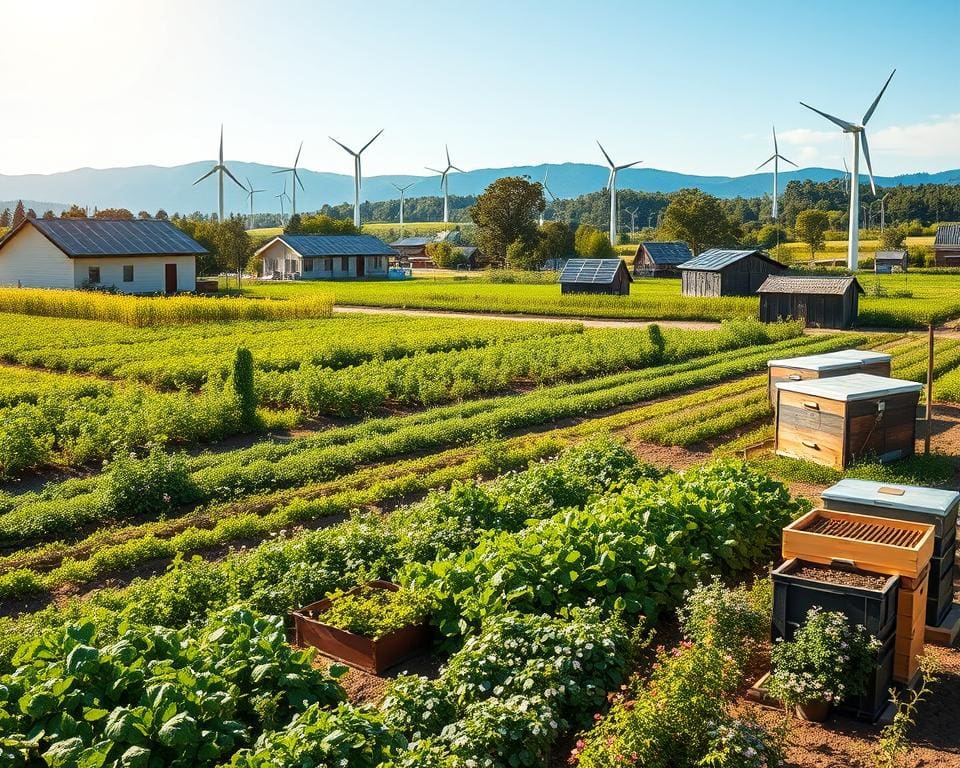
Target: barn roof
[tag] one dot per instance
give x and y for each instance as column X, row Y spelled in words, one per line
column 334, row 245
column 717, row 259
column 592, row 271
column 667, row 254
column 113, row 237
column 890, row 255
column 818, row 286
column 411, row 242
column 947, row 234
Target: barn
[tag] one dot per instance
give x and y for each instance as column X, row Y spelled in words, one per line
column 324, row 257
column 128, row 255
column 595, row 276
column 660, row 259
column 719, row 272
column 885, row 262
column 946, row 246
column 413, row 252
column 821, row 302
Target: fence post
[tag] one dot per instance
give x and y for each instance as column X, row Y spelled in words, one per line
column 929, row 413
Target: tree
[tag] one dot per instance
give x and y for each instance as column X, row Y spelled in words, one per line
column 893, row 238
column 581, row 238
column 698, row 219
column 293, row 225
column 770, row 235
column 5, row 218
column 590, row 243
column 554, row 241
column 48, row 214
column 143, row 215
column 19, row 214
column 810, row 228
column 507, row 211
column 113, row 213
column 161, row 215
column 74, row 212
column 233, row 244
column 321, row 224
column 243, row 387
column 521, row 256
column 442, row 254
column 31, row 214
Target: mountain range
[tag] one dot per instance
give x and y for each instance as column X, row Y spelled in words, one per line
column 150, row 187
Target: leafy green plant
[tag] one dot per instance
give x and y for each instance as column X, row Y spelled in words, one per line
column 734, row 619
column 242, row 380
column 155, row 484
column 374, row 612
column 893, row 747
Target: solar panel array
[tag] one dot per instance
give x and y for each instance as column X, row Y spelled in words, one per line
column 716, row 259
column 338, row 245
column 118, row 237
column 668, row 254
column 592, row 271
column 412, row 242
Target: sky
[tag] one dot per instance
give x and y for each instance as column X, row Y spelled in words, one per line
column 683, row 85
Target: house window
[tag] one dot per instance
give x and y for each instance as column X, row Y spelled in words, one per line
column 308, row 265
column 328, row 265
column 93, row 275
column 344, row 264
column 377, row 262
column 128, row 273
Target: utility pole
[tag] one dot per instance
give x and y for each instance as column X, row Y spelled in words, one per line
column 929, row 413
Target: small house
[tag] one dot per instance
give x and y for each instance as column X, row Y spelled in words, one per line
column 885, row 262
column 821, row 302
column 466, row 256
column 128, row 255
column 946, row 246
column 660, row 259
column 595, row 276
column 324, row 257
column 412, row 252
column 720, row 272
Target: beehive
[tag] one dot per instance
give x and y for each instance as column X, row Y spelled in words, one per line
column 827, row 365
column 837, row 420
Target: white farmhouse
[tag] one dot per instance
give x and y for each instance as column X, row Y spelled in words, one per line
column 130, row 255
column 325, row 257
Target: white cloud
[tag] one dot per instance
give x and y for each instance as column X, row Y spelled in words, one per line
column 801, row 136
column 930, row 139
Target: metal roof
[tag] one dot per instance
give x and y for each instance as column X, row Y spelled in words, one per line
column 717, row 259
column 818, row 286
column 909, row 497
column 947, row 234
column 411, row 242
column 335, row 245
column 667, row 253
column 832, row 361
column 592, row 271
column 856, row 386
column 114, row 237
column 890, row 255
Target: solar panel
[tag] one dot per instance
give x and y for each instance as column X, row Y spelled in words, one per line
column 338, row 245
column 592, row 271
column 111, row 237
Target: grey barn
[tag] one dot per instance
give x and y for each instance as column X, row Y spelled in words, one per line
column 821, row 302
column 660, row 259
column 721, row 272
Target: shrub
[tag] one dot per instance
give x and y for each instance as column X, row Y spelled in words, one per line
column 243, row 387
column 734, row 620
column 375, row 612
column 155, row 484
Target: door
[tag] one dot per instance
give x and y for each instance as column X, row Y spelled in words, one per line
column 801, row 305
column 169, row 278
column 361, row 265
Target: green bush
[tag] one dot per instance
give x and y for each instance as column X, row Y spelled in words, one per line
column 154, row 484
column 243, row 387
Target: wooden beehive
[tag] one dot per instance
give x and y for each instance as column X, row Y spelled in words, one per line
column 911, row 629
column 837, row 420
column 825, row 366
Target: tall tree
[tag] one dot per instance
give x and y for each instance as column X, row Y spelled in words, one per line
column 233, row 244
column 810, row 228
column 143, row 215
column 321, row 224
column 161, row 215
column 48, row 214
column 19, row 214
column 5, row 218
column 506, row 212
column 74, row 212
column 294, row 225
column 555, row 241
column 31, row 214
column 698, row 219
column 113, row 213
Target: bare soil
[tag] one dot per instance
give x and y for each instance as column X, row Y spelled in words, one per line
column 838, row 576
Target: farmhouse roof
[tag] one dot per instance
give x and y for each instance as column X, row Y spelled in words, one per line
column 896, row 255
column 817, row 286
column 334, row 245
column 592, row 271
column 717, row 259
column 411, row 242
column 113, row 237
column 947, row 234
column 667, row 254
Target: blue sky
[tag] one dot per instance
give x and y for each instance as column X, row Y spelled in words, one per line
column 685, row 86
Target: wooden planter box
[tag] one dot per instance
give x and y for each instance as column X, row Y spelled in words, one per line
column 824, row 366
column 838, row 420
column 358, row 651
column 911, row 628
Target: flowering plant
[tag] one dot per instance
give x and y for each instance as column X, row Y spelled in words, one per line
column 827, row 660
column 738, row 744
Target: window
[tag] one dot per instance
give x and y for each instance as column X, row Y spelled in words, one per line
column 378, row 262
column 344, row 263
column 128, row 273
column 93, row 275
column 308, row 265
column 328, row 265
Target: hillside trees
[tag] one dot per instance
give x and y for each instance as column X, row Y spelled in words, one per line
column 74, row 212
column 113, row 213
column 698, row 219
column 505, row 213
column 321, row 224
column 590, row 243
column 5, row 218
column 811, row 227
column 19, row 214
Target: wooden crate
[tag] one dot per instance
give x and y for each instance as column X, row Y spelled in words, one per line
column 911, row 630
column 894, row 547
column 838, row 420
column 824, row 366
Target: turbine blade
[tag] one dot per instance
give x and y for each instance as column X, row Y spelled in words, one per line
column 371, row 140
column 455, row 168
column 284, row 170
column 344, row 146
column 447, row 148
column 296, row 178
column 866, row 156
column 765, row 162
column 836, row 120
column 208, row 173
column 609, row 161
column 435, row 170
column 788, row 161
column 775, row 150
column 297, row 159
column 221, row 143
column 629, row 165
column 869, row 112
column 227, row 171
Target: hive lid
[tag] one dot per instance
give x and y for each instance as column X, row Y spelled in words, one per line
column 855, row 386
column 845, row 358
column 893, row 496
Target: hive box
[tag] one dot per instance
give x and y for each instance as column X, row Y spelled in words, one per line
column 825, row 366
column 908, row 502
column 838, row 420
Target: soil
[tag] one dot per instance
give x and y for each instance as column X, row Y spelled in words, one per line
column 837, row 576
column 367, row 688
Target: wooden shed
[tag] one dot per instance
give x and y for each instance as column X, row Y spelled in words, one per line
column 660, row 259
column 825, row 366
column 839, row 420
column 885, row 262
column 413, row 252
column 821, row 302
column 946, row 246
column 720, row 272
column 595, row 276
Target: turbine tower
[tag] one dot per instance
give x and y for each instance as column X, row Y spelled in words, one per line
column 859, row 134
column 443, row 183
column 250, row 193
column 356, row 174
column 612, row 186
column 846, row 176
column 553, row 197
column 776, row 157
column 296, row 180
column 633, row 218
column 280, row 197
column 220, row 169
column 403, row 192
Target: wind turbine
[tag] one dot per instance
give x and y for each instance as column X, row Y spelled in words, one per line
column 776, row 157
column 250, row 193
column 296, row 179
column 280, row 197
column 220, row 169
column 633, row 218
column 402, row 190
column 553, row 197
column 612, row 186
column 859, row 136
column 443, row 183
column 846, row 176
column 356, row 174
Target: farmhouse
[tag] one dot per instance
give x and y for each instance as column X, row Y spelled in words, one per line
column 130, row 255
column 660, row 259
column 413, row 252
column 720, row 272
column 946, row 246
column 887, row 261
column 324, row 257
column 821, row 302
column 595, row 276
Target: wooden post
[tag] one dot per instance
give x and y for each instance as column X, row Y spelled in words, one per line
column 929, row 413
